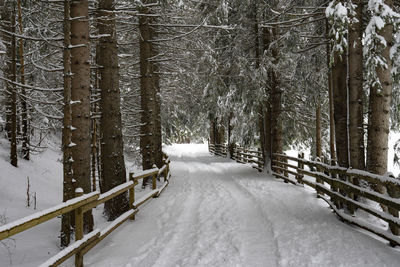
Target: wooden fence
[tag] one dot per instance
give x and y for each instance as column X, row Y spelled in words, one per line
column 252, row 156
column 346, row 190
column 218, row 149
column 240, row 154
column 85, row 202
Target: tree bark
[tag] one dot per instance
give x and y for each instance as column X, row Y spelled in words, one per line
column 112, row 156
column 231, row 143
column 8, row 23
column 157, row 99
column 318, row 131
column 379, row 109
column 80, row 97
column 68, row 189
column 12, row 88
column 355, row 61
column 339, row 88
column 331, row 106
column 212, row 131
column 266, row 124
column 24, row 109
column 276, row 97
column 146, row 93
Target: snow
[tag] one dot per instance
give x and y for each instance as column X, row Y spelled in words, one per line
column 36, row 245
column 39, row 214
column 393, row 137
column 115, row 189
column 79, row 190
column 143, row 198
column 144, row 173
column 216, row 212
column 70, row 248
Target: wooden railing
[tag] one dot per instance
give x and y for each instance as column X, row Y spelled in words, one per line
column 343, row 189
column 85, row 202
column 252, row 156
column 240, row 154
column 218, row 149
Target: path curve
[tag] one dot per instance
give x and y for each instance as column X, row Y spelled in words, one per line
column 216, row 212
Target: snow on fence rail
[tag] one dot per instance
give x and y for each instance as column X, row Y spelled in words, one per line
column 342, row 189
column 240, row 154
column 252, row 156
column 83, row 203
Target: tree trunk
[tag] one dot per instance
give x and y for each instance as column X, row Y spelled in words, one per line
column 276, row 97
column 13, row 99
column 148, row 92
column 68, row 188
column 24, row 110
column 330, row 95
column 355, row 61
column 231, row 144
column 80, row 98
column 157, row 100
column 6, row 26
column 147, row 103
column 339, row 88
column 318, row 131
column 212, row 131
column 8, row 23
column 379, row 109
column 267, row 150
column 112, row 147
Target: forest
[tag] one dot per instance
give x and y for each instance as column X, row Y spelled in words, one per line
column 117, row 81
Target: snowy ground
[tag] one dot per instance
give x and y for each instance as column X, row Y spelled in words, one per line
column 216, row 212
column 35, row 246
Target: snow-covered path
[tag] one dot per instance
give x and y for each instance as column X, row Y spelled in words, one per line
column 216, row 212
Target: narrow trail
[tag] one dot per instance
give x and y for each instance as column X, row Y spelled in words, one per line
column 216, row 212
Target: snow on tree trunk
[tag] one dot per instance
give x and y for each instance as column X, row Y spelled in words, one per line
column 8, row 17
column 80, row 96
column 276, row 98
column 24, row 109
column 147, row 92
column 355, row 61
column 379, row 108
column 112, row 156
column 68, row 190
column 157, row 101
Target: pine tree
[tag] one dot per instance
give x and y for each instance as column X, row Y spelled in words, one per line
column 80, row 99
column 112, row 147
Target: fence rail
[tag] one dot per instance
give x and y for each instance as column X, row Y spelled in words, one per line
column 343, row 188
column 85, row 202
column 218, row 149
column 252, row 156
column 240, row 154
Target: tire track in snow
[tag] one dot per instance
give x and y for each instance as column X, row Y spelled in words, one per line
column 219, row 213
column 265, row 224
column 198, row 236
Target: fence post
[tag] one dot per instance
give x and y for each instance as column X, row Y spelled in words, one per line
column 319, row 170
column 259, row 160
column 334, row 188
column 165, row 173
column 286, row 174
column 300, row 166
column 394, row 192
column 78, row 228
column 351, row 208
column 132, row 194
column 154, row 178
